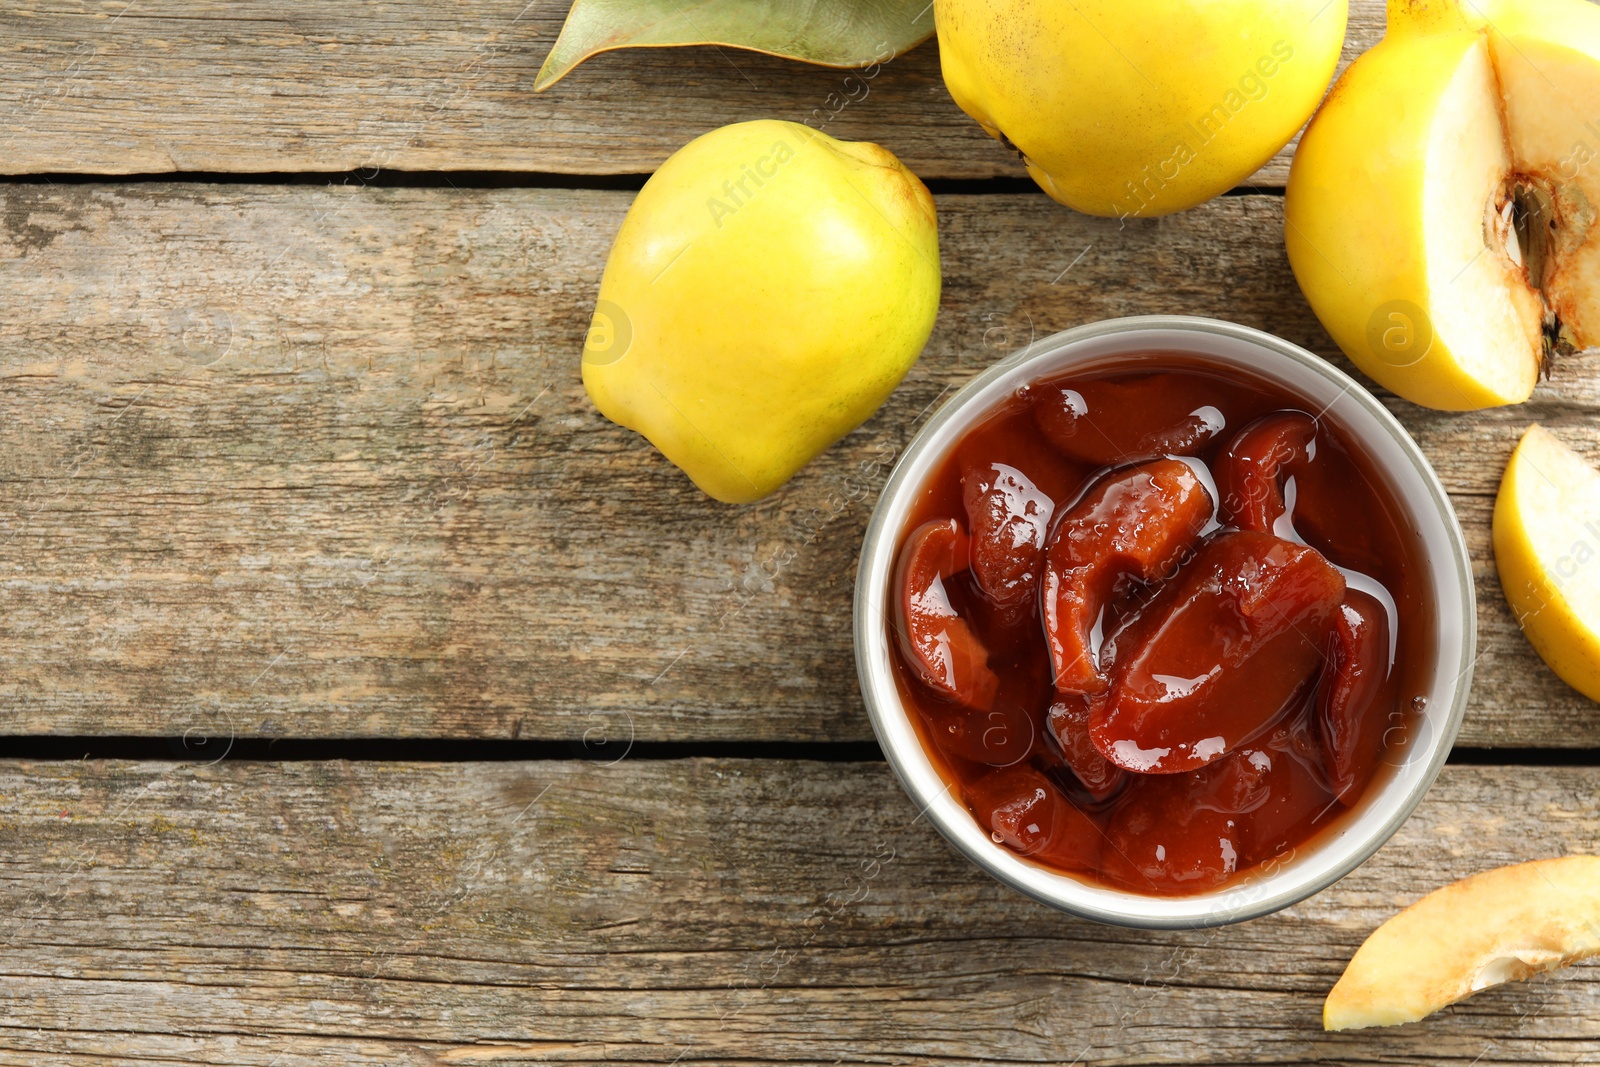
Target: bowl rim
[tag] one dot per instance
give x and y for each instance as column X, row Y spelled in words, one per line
column 1256, row 894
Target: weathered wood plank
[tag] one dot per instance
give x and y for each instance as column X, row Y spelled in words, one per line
column 255, row 86
column 738, row 911
column 306, row 461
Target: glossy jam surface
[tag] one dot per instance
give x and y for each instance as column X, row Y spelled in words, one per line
column 1159, row 626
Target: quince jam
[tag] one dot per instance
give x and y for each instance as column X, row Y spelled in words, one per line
column 1157, row 627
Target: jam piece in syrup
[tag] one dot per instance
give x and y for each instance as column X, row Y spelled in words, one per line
column 1139, row 521
column 1068, row 721
column 1251, row 475
column 1027, row 813
column 1008, row 517
column 948, row 656
column 1108, row 423
column 1221, row 652
column 1162, row 837
column 1356, row 699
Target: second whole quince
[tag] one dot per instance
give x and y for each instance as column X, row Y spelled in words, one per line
column 1140, row 109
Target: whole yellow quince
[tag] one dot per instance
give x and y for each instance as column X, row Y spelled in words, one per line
column 1140, row 109
column 1442, row 206
column 769, row 288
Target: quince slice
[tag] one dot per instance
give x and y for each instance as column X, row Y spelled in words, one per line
column 1547, row 550
column 1499, row 926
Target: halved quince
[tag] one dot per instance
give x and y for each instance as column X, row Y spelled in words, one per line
column 1547, row 550
column 1498, row 926
column 1441, row 209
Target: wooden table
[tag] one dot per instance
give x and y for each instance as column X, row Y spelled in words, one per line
column 535, row 754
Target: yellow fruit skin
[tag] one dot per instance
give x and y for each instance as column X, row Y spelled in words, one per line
column 1137, row 110
column 1568, row 22
column 1353, row 215
column 1556, row 632
column 769, row 288
column 1501, row 925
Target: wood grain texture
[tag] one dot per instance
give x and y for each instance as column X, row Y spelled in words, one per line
column 261, row 86
column 683, row 911
column 302, row 461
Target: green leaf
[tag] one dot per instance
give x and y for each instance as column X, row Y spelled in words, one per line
column 833, row 33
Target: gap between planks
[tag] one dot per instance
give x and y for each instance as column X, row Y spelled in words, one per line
column 203, row 750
